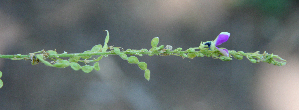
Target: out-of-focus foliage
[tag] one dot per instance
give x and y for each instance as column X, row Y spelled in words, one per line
column 276, row 8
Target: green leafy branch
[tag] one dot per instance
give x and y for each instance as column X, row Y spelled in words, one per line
column 82, row 60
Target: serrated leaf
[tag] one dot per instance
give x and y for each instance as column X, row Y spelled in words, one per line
column 87, row 68
column 1, row 83
column 147, row 74
column 133, row 60
column 75, row 66
column 61, row 64
column 155, row 42
column 96, row 66
column 96, row 48
column 142, row 65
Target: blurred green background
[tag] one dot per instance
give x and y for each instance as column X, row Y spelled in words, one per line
column 176, row 83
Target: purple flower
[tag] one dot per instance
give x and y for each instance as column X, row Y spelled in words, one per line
column 222, row 37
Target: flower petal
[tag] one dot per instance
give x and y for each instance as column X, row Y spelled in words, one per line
column 222, row 37
column 223, row 51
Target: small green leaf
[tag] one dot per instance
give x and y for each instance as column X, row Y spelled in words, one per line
column 74, row 59
column 190, row 50
column 225, row 58
column 199, row 54
column 144, row 50
column 147, row 74
column 201, row 46
column 1, row 83
column 242, row 53
column 191, row 55
column 282, row 63
column 97, row 48
column 0, row 74
column 178, row 49
column 151, row 54
column 184, row 55
column 47, row 63
column 155, row 42
column 41, row 59
column 61, row 64
column 106, row 41
column 269, row 57
column 161, row 47
column 133, row 60
column 87, row 68
column 87, row 52
column 116, row 50
column 75, row 66
column 96, row 66
column 123, row 56
column 99, row 58
column 128, row 50
column 252, row 60
column 239, row 57
column 142, row 65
